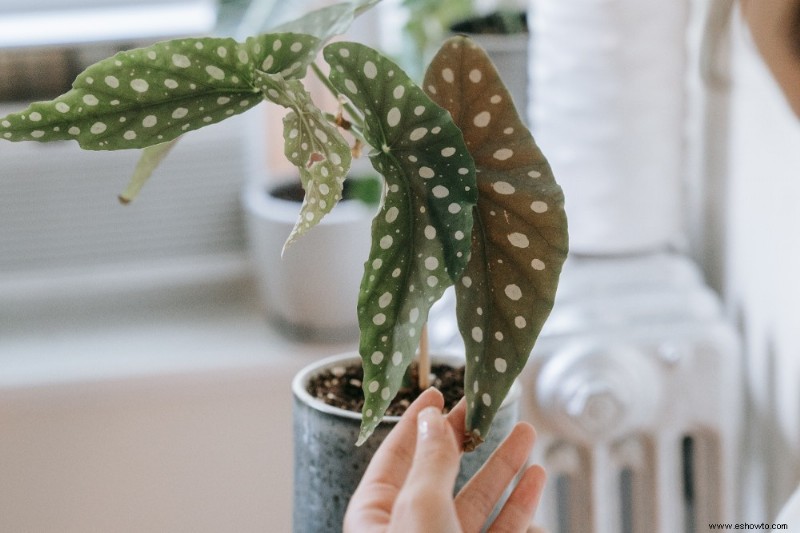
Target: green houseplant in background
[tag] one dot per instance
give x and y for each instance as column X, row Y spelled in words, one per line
column 468, row 198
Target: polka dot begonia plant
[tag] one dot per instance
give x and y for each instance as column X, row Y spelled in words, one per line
column 519, row 236
column 468, row 200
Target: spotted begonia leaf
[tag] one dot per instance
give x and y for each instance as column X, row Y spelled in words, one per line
column 520, row 233
column 152, row 95
column 421, row 236
column 314, row 145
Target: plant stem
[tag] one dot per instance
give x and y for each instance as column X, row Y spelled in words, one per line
column 424, row 361
column 355, row 117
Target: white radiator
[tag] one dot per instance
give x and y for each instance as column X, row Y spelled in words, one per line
column 634, row 390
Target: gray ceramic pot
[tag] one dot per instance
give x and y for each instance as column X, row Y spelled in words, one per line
column 327, row 464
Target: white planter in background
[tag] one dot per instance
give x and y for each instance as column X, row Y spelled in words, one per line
column 312, row 291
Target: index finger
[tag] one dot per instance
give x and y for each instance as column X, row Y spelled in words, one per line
column 391, row 463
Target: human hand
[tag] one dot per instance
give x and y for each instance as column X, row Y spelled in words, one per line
column 408, row 485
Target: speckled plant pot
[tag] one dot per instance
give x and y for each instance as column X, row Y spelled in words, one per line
column 327, row 464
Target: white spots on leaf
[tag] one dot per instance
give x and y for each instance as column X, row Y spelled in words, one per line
column 90, row 99
column 62, row 107
column 482, row 119
column 448, row 152
column 351, row 86
column 520, row 240
column 386, row 393
column 386, row 242
column 181, row 61
column 296, row 47
column 377, row 263
column 370, row 70
column 535, row 174
column 391, row 214
column 149, row 121
column 321, row 135
column 222, row 100
column 432, row 89
column 440, row 191
column 486, row 399
column 413, row 315
column 496, row 99
column 222, row 52
column 463, row 171
column 74, row 130
column 140, row 86
column 35, row 116
column 98, row 128
column 37, row 134
column 151, row 55
column 459, row 235
column 539, row 207
column 430, row 232
column 466, row 281
column 498, row 335
column 112, row 81
column 477, row 334
column 170, row 84
column 129, row 135
column 537, row 264
column 500, row 365
column 503, row 187
column 454, row 208
column 385, row 300
column 397, row 358
column 344, row 52
column 243, row 57
column 447, row 75
column 513, row 292
column 431, row 263
column 267, row 64
column 399, row 91
column 376, row 358
column 374, row 386
column 426, row 172
column 393, row 117
column 508, row 131
column 419, row 110
column 418, row 133
column 379, row 319
column 503, row 154
column 520, row 322
column 432, row 281
column 475, row 75
column 180, row 113
column 277, row 45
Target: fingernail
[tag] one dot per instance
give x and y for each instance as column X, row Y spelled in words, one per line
column 429, row 422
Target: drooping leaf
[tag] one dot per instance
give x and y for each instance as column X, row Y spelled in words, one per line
column 520, row 233
column 421, row 236
column 152, row 95
column 151, row 157
column 328, row 21
column 313, row 145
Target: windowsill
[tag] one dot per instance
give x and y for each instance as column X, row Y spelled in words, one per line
column 162, row 320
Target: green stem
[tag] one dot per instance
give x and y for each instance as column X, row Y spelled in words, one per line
column 355, row 116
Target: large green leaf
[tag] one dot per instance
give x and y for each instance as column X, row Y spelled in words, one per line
column 327, row 21
column 421, row 236
column 520, row 232
column 152, row 95
column 314, row 145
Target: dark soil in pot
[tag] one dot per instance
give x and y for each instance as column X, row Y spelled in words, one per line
column 494, row 24
column 366, row 189
column 341, row 387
